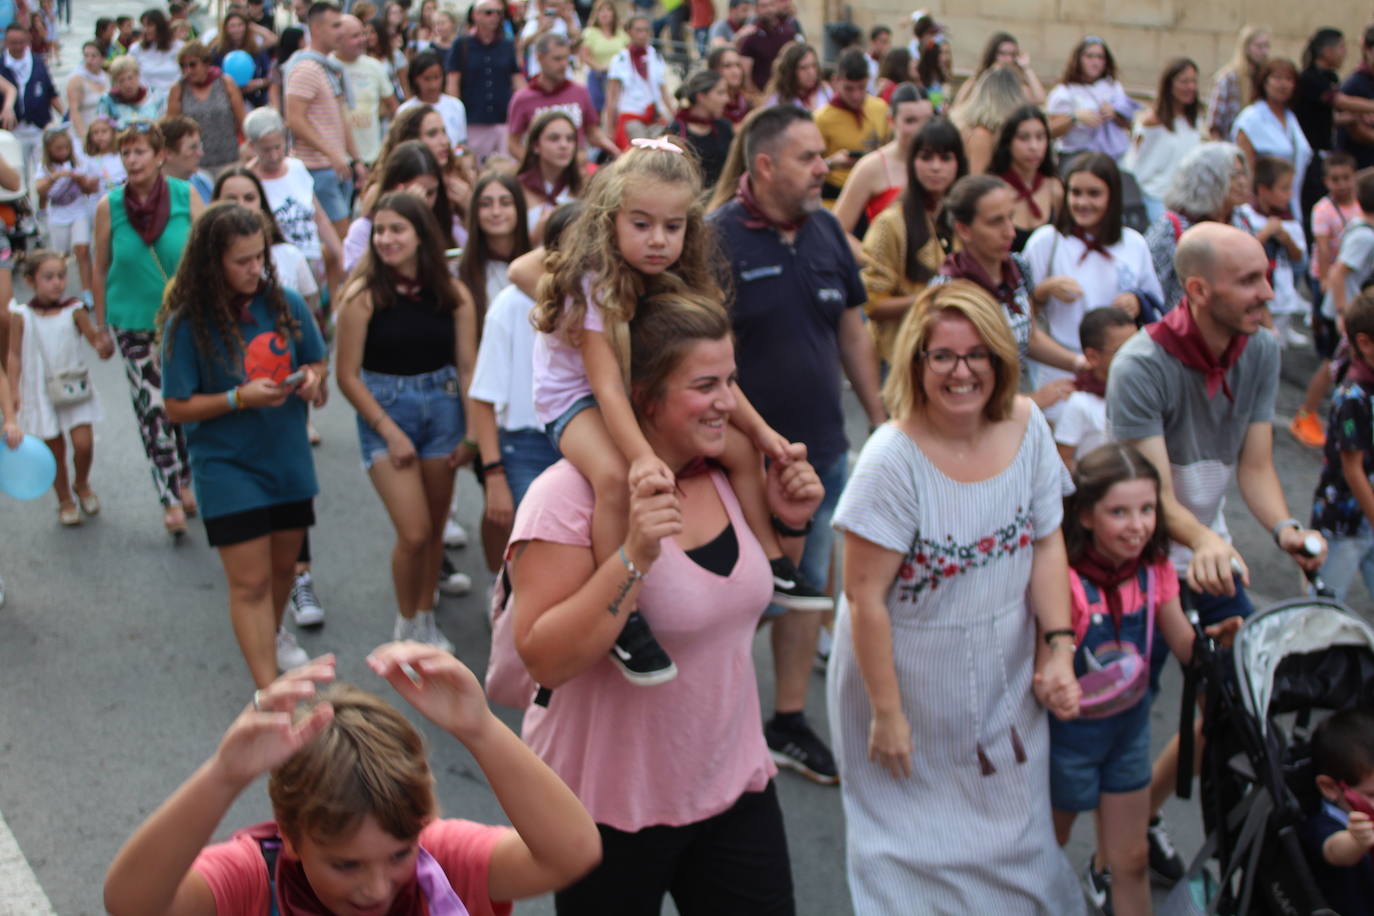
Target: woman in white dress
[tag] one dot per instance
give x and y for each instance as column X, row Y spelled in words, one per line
column 1110, row 263
column 84, row 88
column 1166, row 133
column 955, row 574
column 157, row 52
column 1268, row 127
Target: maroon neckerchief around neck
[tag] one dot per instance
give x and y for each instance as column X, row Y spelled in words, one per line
column 1090, row 244
column 404, row 286
column 838, row 101
column 755, row 218
column 639, row 57
column 1011, row 177
column 534, row 180
column 148, row 215
column 1088, row 381
column 1284, row 213
column 737, row 108
column 135, row 99
column 686, row 116
column 539, row 86
column 1108, row 577
column 1179, row 336
column 962, row 265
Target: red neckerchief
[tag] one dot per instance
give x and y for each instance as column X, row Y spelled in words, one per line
column 211, row 74
column 1108, row 577
column 1025, row 193
column 534, row 180
column 1090, row 245
column 639, row 57
column 961, row 265
column 737, row 108
column 1088, row 381
column 135, row 99
column 1284, row 213
column 838, row 101
column 404, row 286
column 41, row 307
column 148, row 215
column 755, row 218
column 298, row 898
column 537, row 85
column 1178, row 334
column 686, row 117
column 1359, row 371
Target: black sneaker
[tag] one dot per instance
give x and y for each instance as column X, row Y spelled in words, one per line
column 795, row 746
column 640, row 657
column 1166, row 864
column 792, row 590
column 1097, row 885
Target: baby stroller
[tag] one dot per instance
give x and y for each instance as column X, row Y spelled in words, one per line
column 1288, row 661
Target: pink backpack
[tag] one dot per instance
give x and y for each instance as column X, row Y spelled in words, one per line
column 1118, row 676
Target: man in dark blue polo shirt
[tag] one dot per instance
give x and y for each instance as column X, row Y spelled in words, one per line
column 484, row 71
column 798, row 322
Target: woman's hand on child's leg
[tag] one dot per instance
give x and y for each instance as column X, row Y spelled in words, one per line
column 266, row 734
column 435, row 683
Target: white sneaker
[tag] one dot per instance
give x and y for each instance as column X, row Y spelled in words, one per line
column 306, row 610
column 451, row 581
column 289, row 654
column 454, row 535
column 427, row 631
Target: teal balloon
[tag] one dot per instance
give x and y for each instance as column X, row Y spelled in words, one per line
column 27, row 472
column 239, row 66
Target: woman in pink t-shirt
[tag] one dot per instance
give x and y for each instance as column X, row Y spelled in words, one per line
column 677, row 776
column 355, row 829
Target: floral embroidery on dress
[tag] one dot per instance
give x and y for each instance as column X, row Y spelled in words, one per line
column 928, row 563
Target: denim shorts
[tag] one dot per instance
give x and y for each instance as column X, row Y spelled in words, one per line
column 1091, row 756
column 426, row 407
column 335, row 194
column 554, row 429
column 525, row 454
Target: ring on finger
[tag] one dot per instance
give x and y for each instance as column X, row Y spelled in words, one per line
column 257, row 701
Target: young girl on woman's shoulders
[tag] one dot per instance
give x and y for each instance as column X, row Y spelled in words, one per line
column 642, row 232
column 47, row 375
column 1123, row 588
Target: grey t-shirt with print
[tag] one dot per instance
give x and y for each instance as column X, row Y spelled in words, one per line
column 1357, row 254
column 1151, row 393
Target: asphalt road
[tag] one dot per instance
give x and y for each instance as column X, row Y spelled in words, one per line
column 119, row 671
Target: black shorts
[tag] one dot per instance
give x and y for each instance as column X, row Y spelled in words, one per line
column 237, row 527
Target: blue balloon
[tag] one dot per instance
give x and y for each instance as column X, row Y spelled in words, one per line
column 27, row 471
column 239, row 65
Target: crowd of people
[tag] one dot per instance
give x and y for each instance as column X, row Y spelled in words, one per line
column 629, row 302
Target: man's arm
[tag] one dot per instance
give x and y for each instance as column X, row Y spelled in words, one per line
column 1263, row 493
column 860, row 361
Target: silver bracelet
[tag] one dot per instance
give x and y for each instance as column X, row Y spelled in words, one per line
column 634, row 573
column 1286, row 523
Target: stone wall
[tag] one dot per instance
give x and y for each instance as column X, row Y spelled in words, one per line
column 1142, row 34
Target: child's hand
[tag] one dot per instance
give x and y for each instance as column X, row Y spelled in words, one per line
column 889, row 743
column 794, row 492
column 648, row 466
column 1225, row 632
column 1056, row 687
column 435, row 683
column 13, row 435
column 655, row 513
column 1361, row 829
column 776, row 446
column 264, row 735
column 104, row 346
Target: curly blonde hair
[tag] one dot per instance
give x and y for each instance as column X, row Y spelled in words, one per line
column 591, row 258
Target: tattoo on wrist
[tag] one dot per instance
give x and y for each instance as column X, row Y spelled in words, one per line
column 629, row 583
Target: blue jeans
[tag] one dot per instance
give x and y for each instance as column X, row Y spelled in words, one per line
column 427, row 407
column 334, row 194
column 820, row 543
column 525, row 454
column 596, row 88
column 1347, row 555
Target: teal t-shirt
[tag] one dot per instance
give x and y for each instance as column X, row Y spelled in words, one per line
column 252, row 457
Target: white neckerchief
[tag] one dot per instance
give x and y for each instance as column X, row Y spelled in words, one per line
column 21, row 68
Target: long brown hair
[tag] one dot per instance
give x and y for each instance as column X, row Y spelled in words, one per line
column 784, row 83
column 572, row 174
column 200, row 293
column 1164, row 95
column 431, row 267
column 1095, row 474
column 472, row 269
column 937, row 135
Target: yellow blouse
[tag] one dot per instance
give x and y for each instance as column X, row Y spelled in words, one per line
column 602, row 47
column 884, row 271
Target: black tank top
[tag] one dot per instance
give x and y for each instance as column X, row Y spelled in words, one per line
column 410, row 338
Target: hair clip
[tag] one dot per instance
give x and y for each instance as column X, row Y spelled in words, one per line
column 662, row 144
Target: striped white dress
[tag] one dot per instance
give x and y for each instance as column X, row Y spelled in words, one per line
column 970, row 831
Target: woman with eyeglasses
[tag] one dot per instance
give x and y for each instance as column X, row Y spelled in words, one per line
column 951, row 643
column 211, row 99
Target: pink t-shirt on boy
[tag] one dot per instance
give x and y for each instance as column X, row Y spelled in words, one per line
column 237, row 874
column 683, row 751
column 1329, row 221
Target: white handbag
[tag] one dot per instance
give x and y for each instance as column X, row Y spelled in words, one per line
column 65, row 387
